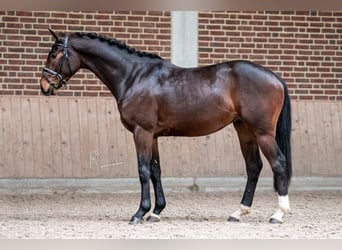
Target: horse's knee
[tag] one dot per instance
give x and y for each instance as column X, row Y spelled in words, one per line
column 144, row 173
column 155, row 172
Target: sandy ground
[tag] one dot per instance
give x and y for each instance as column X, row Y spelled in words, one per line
column 188, row 215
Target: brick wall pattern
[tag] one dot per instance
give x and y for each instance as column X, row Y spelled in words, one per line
column 25, row 42
column 304, row 47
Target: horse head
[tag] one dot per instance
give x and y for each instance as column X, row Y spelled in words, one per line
column 61, row 64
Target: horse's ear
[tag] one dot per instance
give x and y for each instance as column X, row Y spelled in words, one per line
column 54, row 35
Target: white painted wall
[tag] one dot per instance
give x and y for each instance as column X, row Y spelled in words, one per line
column 184, row 41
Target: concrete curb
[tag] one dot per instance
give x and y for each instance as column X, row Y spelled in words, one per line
column 131, row 185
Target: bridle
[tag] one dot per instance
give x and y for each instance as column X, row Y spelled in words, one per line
column 56, row 74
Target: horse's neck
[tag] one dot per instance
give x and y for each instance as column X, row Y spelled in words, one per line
column 108, row 63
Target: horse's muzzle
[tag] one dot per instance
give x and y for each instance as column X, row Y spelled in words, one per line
column 46, row 88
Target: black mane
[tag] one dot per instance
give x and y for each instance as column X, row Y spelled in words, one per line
column 117, row 43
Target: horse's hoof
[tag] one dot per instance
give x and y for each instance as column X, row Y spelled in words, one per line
column 233, row 219
column 153, row 218
column 275, row 221
column 136, row 221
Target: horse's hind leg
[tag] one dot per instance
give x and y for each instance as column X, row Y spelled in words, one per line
column 160, row 202
column 251, row 154
column 277, row 161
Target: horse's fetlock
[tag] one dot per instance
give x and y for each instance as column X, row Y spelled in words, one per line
column 161, row 205
column 146, row 206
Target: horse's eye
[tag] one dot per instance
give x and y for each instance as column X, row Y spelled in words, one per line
column 54, row 52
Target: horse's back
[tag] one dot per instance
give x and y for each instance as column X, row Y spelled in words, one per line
column 259, row 77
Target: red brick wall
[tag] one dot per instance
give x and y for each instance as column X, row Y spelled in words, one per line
column 305, row 48
column 25, row 43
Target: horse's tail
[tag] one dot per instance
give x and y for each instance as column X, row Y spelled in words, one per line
column 283, row 134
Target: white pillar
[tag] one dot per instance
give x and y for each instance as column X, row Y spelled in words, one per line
column 184, row 41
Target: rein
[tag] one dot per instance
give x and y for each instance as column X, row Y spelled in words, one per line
column 56, row 74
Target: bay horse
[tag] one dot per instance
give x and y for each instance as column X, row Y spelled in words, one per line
column 156, row 98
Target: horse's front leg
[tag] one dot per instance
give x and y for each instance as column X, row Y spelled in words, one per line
column 143, row 142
